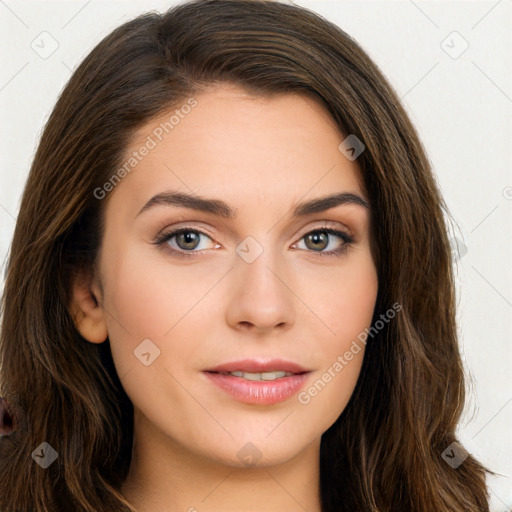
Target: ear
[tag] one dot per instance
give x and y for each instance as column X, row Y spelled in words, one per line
column 87, row 311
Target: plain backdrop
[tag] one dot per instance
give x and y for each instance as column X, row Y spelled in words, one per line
column 450, row 63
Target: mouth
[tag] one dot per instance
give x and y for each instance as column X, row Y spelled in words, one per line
column 260, row 366
column 259, row 376
column 258, row 382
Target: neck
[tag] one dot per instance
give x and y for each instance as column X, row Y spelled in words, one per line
column 165, row 476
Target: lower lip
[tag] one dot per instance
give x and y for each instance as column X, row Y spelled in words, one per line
column 258, row 391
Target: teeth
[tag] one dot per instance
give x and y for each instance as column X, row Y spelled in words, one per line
column 260, row 376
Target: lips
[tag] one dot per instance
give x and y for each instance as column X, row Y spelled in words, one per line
column 259, row 366
column 258, row 382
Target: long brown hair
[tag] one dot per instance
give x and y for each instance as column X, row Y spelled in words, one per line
column 384, row 452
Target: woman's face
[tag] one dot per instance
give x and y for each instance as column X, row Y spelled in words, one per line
column 255, row 287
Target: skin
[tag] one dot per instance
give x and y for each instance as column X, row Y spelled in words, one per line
column 262, row 156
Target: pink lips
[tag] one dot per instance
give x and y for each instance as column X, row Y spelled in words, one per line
column 258, row 392
column 254, row 366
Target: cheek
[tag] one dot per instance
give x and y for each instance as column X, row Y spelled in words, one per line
column 348, row 313
column 346, row 306
column 149, row 295
column 346, row 301
column 329, row 392
column 150, row 298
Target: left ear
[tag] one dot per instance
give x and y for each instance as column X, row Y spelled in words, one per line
column 87, row 311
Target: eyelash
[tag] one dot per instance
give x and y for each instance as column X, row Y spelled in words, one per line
column 166, row 236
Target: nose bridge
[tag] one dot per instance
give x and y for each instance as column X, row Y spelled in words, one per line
column 255, row 260
column 261, row 296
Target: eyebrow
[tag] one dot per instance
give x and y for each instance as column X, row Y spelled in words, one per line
column 223, row 209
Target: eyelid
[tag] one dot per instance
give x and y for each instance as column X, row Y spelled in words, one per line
column 168, row 233
column 210, row 232
column 338, row 226
column 192, row 225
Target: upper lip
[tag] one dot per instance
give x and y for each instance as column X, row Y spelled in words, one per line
column 258, row 366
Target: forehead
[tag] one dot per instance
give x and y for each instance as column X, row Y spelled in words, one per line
column 237, row 146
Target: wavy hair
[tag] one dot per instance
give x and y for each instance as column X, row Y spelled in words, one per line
column 384, row 452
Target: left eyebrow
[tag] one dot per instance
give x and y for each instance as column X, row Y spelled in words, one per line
column 322, row 204
column 223, row 209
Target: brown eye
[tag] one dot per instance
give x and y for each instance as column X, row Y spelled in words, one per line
column 183, row 241
column 188, row 240
column 318, row 240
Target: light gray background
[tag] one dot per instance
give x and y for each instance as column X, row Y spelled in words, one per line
column 460, row 104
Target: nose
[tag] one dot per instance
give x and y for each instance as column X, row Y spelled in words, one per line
column 260, row 295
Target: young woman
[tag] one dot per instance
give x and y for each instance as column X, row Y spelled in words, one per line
column 230, row 283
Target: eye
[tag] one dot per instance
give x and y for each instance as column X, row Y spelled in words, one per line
column 188, row 240
column 318, row 240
